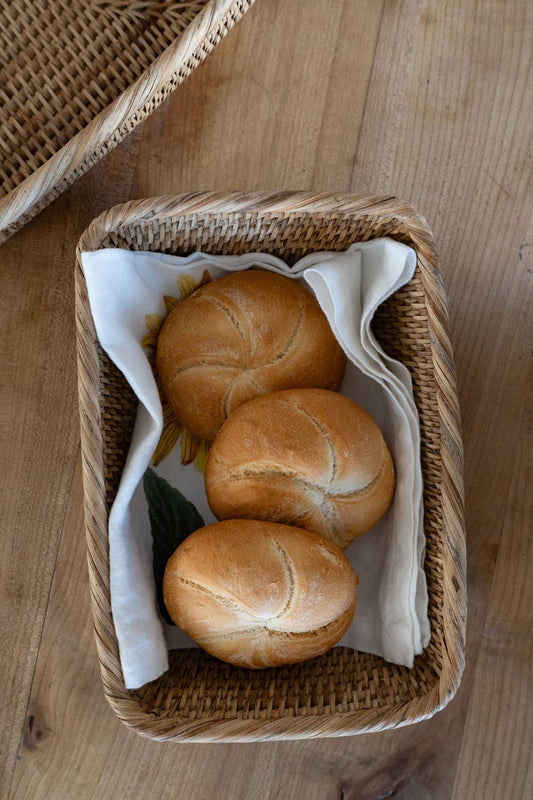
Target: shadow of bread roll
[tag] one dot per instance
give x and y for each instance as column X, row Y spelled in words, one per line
column 259, row 594
column 245, row 334
column 306, row 457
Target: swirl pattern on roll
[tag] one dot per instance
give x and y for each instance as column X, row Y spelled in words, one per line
column 306, row 457
column 260, row 594
column 242, row 335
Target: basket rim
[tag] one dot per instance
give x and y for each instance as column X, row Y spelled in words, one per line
column 252, row 729
column 336, row 723
column 120, row 117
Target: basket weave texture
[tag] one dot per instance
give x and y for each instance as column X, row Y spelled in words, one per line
column 343, row 692
column 76, row 76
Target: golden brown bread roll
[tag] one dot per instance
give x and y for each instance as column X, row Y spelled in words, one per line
column 305, row 457
column 258, row 594
column 245, row 334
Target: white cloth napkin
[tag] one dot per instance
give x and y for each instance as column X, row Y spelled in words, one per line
column 391, row 617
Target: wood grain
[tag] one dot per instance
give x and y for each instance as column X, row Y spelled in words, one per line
column 431, row 102
column 502, row 700
column 242, row 100
column 40, row 427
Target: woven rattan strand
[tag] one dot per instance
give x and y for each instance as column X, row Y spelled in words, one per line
column 343, row 692
column 77, row 77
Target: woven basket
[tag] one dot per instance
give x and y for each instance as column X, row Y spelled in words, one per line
column 344, row 691
column 76, row 76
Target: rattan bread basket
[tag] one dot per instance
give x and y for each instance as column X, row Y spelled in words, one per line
column 77, row 77
column 343, row 692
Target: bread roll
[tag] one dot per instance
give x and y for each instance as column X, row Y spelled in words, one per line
column 258, row 594
column 305, row 457
column 243, row 335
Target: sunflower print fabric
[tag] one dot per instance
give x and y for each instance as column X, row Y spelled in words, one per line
column 193, row 449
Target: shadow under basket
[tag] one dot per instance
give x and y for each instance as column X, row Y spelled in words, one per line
column 343, row 692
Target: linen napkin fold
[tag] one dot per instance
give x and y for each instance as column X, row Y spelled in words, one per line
column 124, row 286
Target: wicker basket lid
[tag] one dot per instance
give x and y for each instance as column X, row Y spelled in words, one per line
column 77, row 77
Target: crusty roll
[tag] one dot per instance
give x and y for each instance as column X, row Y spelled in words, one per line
column 305, row 457
column 258, row 594
column 245, row 334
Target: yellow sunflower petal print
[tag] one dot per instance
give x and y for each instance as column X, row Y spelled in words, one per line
column 193, row 449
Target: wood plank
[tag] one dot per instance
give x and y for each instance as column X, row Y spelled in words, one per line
column 39, row 434
column 501, row 766
column 40, row 428
column 264, row 111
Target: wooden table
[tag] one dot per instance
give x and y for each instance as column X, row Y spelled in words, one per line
column 428, row 101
